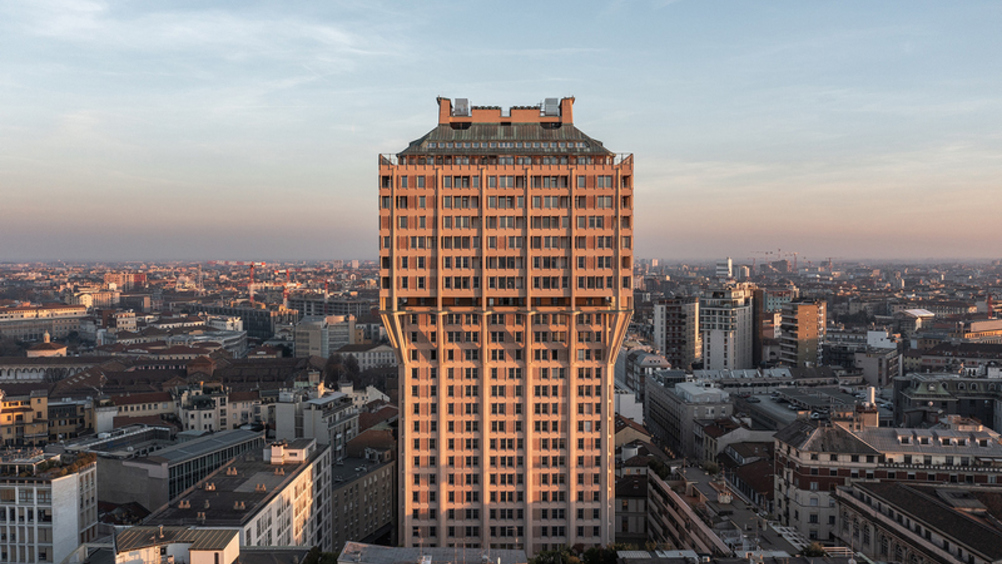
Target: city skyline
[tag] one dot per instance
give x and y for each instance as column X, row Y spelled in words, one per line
column 246, row 132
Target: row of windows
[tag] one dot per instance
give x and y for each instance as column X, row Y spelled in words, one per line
column 507, row 202
column 506, row 320
column 509, row 282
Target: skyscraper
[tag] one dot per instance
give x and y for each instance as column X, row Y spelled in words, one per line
column 505, row 261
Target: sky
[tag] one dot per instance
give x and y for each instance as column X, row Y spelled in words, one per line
column 250, row 131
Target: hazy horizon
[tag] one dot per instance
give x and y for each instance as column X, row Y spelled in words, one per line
column 242, row 131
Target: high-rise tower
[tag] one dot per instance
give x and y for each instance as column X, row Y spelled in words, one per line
column 506, row 255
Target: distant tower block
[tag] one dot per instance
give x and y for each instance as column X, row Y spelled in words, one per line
column 725, row 269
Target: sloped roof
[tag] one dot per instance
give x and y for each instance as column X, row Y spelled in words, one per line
column 533, row 133
column 821, row 438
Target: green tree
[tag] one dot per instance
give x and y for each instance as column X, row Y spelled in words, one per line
column 561, row 556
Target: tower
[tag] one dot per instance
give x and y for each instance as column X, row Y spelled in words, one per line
column 505, row 272
column 725, row 323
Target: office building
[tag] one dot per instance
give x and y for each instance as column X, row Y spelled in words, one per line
column 676, row 331
column 726, row 327
column 672, row 413
column 802, row 333
column 506, row 287
column 154, row 477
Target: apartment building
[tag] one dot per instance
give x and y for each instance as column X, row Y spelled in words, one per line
column 279, row 496
column 331, row 419
column 812, row 460
column 506, row 248
column 48, row 504
column 802, row 333
column 898, row 522
column 676, row 331
column 726, row 326
column 24, row 418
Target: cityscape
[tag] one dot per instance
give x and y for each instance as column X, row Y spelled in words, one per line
column 465, row 332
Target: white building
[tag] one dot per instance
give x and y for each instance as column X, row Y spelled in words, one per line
column 370, row 355
column 181, row 545
column 44, row 515
column 726, row 326
column 281, row 497
column 725, row 269
column 331, row 419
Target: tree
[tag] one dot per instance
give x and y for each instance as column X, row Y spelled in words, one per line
column 351, row 367
column 596, row 555
column 814, row 549
column 711, row 467
column 561, row 556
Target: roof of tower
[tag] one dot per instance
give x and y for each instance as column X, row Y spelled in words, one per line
column 501, row 139
column 546, row 129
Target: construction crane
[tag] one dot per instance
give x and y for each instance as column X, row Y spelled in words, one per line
column 288, row 282
column 251, row 264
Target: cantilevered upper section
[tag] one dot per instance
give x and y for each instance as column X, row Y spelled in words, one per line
column 487, row 130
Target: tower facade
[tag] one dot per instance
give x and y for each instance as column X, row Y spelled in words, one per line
column 506, row 254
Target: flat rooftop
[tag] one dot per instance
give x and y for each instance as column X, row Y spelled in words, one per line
column 351, row 468
column 238, row 490
column 135, row 538
column 199, row 447
column 737, row 517
column 361, row 553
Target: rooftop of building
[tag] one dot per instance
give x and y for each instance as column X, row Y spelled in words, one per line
column 546, row 129
column 135, row 538
column 732, row 519
column 361, row 553
column 34, row 464
column 634, row 485
column 350, row 469
column 689, row 557
column 974, row 441
column 199, row 447
column 958, row 513
column 233, row 494
column 124, row 442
